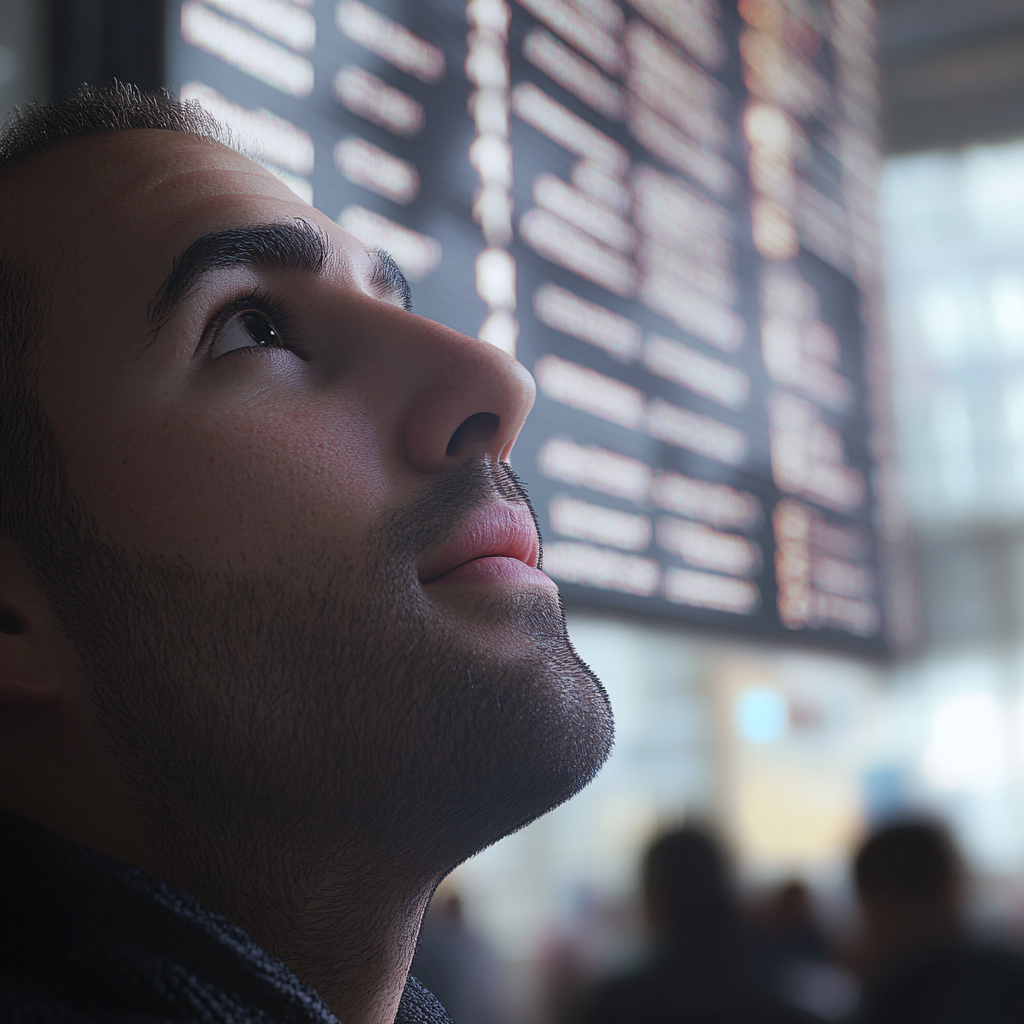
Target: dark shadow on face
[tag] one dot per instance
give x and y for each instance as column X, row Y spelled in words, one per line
column 290, row 711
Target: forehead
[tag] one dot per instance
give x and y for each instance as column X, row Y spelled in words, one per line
column 116, row 208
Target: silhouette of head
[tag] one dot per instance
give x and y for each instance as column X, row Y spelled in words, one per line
column 792, row 906
column 912, row 861
column 687, row 882
column 908, row 878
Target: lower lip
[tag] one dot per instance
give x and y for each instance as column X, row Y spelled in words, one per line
column 496, row 569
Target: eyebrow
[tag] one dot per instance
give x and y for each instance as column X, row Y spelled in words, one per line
column 297, row 245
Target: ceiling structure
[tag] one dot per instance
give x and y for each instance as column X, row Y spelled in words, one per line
column 952, row 71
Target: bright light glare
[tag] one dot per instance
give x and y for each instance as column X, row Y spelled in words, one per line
column 675, row 87
column 287, row 23
column 567, row 246
column 691, row 23
column 582, row 210
column 500, row 329
column 390, row 40
column 369, row 96
column 709, row 590
column 966, row 749
column 717, row 504
column 605, row 188
column 590, row 391
column 701, row 546
column 941, row 321
column 678, row 150
column 697, row 433
column 575, row 74
column 246, row 50
column 368, row 165
column 561, row 309
column 416, row 254
column 569, row 130
column 591, row 566
column 561, row 458
column 496, row 278
column 1006, row 293
column 576, row 28
column 574, row 518
column 707, row 376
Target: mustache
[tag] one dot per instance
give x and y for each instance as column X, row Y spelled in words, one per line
column 433, row 515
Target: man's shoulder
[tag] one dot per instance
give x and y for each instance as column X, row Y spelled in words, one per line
column 985, row 980
column 84, row 937
column 420, row 1006
column 24, row 1000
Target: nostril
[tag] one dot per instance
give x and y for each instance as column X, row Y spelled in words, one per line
column 477, row 429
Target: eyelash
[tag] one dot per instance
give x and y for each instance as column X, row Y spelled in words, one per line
column 258, row 301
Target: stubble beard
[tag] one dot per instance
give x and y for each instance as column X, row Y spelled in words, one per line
column 329, row 712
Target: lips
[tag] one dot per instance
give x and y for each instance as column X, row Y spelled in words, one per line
column 499, row 531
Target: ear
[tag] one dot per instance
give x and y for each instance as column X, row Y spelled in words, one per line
column 31, row 646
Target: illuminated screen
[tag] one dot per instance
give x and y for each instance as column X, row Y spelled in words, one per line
column 662, row 207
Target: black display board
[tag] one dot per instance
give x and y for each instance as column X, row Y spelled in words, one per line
column 662, row 208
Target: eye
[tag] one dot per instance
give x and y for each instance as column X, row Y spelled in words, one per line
column 250, row 329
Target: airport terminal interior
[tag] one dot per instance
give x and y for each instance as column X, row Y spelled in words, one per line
column 765, row 260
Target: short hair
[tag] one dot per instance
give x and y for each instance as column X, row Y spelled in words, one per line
column 686, row 873
column 32, row 478
column 911, row 860
column 93, row 110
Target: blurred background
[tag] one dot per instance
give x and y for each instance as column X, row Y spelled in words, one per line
column 789, row 740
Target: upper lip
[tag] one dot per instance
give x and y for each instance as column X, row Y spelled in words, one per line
column 500, row 530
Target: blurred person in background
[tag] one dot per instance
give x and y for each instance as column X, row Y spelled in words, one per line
column 783, row 933
column 695, row 974
column 789, row 954
column 916, row 959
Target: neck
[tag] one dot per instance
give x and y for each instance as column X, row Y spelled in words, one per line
column 345, row 921
column 349, row 936
column 357, row 959
column 363, row 985
column 347, row 931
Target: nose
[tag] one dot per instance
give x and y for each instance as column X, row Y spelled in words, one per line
column 470, row 400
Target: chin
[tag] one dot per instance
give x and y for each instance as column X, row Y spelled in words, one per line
column 506, row 620
column 520, row 725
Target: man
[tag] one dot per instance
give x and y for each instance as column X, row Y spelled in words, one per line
column 917, row 961
column 272, row 628
column 696, row 972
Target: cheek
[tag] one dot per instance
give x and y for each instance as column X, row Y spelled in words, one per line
column 248, row 485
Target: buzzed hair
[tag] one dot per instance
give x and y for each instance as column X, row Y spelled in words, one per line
column 33, row 487
column 93, row 110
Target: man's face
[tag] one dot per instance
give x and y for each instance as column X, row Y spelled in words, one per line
column 305, row 588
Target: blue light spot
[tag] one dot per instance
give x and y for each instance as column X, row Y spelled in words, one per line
column 761, row 716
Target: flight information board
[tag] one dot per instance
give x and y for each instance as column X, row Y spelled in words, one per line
column 663, row 208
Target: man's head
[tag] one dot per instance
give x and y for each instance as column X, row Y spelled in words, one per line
column 909, row 881
column 687, row 883
column 913, row 861
column 257, row 512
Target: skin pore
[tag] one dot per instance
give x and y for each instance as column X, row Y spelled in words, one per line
column 226, row 657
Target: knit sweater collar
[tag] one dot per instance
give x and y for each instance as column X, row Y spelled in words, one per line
column 83, row 934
